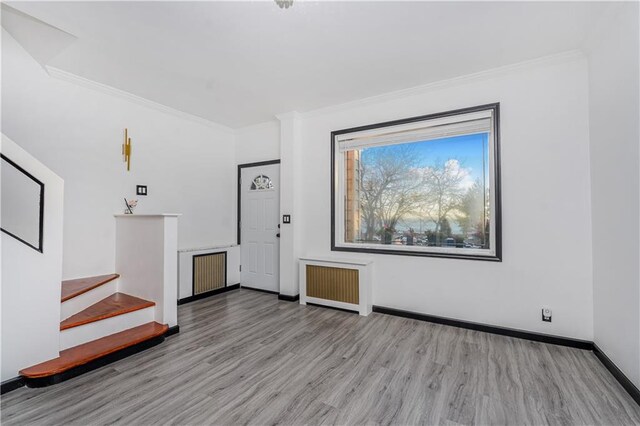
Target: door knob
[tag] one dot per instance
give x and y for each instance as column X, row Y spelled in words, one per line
column 278, row 235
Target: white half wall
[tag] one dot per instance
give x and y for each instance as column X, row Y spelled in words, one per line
column 614, row 108
column 147, row 259
column 545, row 197
column 31, row 280
column 77, row 131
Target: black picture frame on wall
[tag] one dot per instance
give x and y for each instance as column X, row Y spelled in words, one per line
column 497, row 257
column 7, row 162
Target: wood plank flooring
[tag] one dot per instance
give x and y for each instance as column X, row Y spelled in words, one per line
column 244, row 357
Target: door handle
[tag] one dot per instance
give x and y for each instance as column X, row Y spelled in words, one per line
column 278, row 235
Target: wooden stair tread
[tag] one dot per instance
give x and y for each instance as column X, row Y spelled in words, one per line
column 111, row 306
column 90, row 351
column 73, row 288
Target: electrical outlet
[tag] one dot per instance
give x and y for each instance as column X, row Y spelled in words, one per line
column 141, row 189
column 546, row 314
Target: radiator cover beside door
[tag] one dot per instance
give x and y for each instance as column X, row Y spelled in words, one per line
column 209, row 272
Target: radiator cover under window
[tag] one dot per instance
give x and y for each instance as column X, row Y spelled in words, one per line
column 338, row 284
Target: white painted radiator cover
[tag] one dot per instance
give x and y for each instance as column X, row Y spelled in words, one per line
column 185, row 266
column 365, row 268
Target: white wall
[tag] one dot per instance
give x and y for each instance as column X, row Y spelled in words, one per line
column 545, row 194
column 31, row 280
column 146, row 258
column 290, row 201
column 614, row 114
column 77, row 131
column 260, row 142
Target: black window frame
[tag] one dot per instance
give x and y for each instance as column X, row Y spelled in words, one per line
column 497, row 257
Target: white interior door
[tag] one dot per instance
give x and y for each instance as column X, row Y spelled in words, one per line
column 259, row 231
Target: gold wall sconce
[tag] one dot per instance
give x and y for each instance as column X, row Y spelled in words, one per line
column 126, row 150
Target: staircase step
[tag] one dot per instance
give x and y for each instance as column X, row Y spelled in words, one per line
column 83, row 354
column 84, row 300
column 73, row 288
column 116, row 304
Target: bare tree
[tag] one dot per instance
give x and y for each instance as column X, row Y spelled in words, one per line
column 474, row 212
column 395, row 186
column 390, row 186
column 401, row 198
column 443, row 190
column 471, row 208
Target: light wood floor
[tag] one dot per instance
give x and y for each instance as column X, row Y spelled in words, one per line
column 245, row 357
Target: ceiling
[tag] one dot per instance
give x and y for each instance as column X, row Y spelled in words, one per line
column 241, row 63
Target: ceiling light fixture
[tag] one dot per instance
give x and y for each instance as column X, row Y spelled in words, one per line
column 284, row 4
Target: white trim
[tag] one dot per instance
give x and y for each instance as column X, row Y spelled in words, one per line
column 148, row 215
column 339, row 194
column 493, row 186
column 332, row 303
column 328, row 259
column 455, row 119
column 430, row 130
column 568, row 56
column 187, row 250
column 109, row 90
column 426, row 249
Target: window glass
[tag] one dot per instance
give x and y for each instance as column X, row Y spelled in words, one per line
column 261, row 182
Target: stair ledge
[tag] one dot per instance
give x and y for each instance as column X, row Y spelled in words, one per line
column 116, row 304
column 96, row 349
column 76, row 287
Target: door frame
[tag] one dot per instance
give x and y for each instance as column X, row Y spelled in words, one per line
column 239, row 210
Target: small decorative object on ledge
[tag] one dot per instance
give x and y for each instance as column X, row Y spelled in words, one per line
column 284, row 4
column 131, row 204
column 126, row 150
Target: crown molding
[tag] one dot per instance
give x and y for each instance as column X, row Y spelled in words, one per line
column 109, row 90
column 568, row 56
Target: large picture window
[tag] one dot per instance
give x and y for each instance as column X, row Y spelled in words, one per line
column 425, row 186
